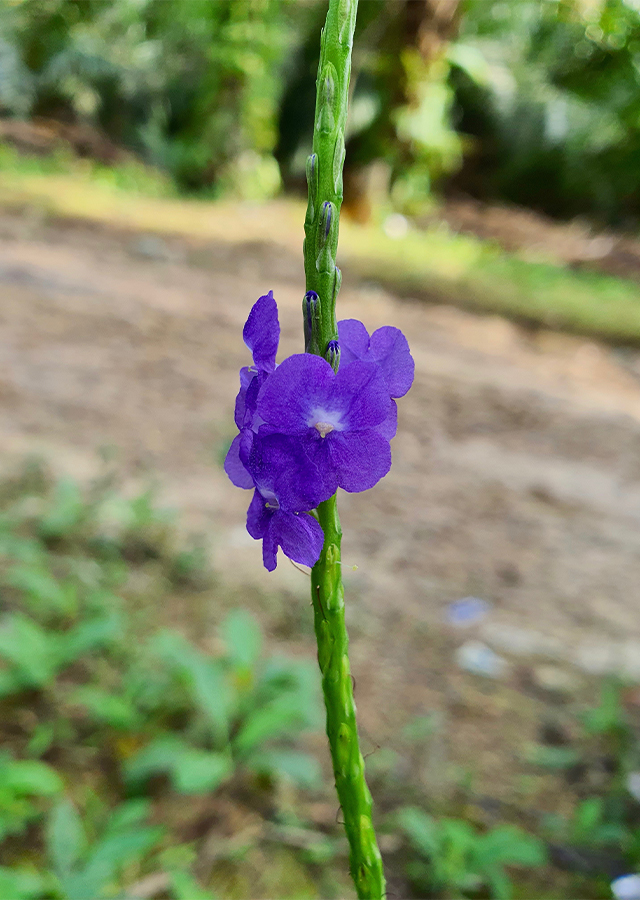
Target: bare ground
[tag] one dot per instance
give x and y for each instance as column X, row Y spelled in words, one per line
column 516, row 473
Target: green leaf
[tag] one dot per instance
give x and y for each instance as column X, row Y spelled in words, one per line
column 191, row 770
column 420, row 828
column 108, row 709
column 211, row 692
column 196, row 771
column 66, row 512
column 499, row 885
column 243, row 638
column 42, row 588
column 609, row 716
column 89, row 636
column 205, row 678
column 587, row 817
column 299, row 681
column 185, row 887
column 509, row 846
column 471, row 60
column 26, row 776
column 112, row 854
column 552, row 757
column 41, row 738
column 66, row 840
column 300, row 768
column 21, row 884
column 31, row 650
column 10, row 683
column 282, row 716
column 25, row 550
column 421, row 728
column 126, row 816
column 156, row 757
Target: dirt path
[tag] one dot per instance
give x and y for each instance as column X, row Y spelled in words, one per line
column 516, row 471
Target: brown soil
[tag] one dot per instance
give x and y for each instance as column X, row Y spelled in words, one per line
column 516, row 472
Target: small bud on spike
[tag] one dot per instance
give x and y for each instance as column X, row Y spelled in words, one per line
column 333, row 354
column 311, row 319
column 326, row 119
column 312, row 182
column 327, row 224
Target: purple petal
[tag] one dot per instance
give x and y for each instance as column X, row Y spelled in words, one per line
column 389, row 427
column 269, row 549
column 262, row 332
column 354, row 340
column 282, row 469
column 360, row 458
column 389, row 348
column 247, row 374
column 247, row 400
column 240, row 410
column 299, row 385
column 316, row 451
column 360, row 393
column 234, row 467
column 300, row 536
column 258, row 516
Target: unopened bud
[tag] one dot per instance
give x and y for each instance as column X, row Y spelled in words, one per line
column 327, row 223
column 326, row 219
column 346, row 21
column 326, row 119
column 312, row 182
column 337, row 281
column 338, row 164
column 311, row 320
column 332, row 354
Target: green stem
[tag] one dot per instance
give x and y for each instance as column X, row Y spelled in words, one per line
column 333, row 656
column 324, row 175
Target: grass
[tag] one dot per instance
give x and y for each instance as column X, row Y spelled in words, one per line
column 434, row 265
column 131, row 751
column 125, row 746
column 478, row 275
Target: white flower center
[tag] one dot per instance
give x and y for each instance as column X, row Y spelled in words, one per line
column 325, row 422
column 324, row 428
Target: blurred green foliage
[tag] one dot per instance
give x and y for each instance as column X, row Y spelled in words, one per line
column 192, row 86
column 552, row 107
column 533, row 102
column 124, row 740
column 104, row 716
column 453, row 857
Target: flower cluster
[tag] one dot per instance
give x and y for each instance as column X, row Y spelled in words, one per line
column 305, row 430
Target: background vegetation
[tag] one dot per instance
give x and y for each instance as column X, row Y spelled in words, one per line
column 532, row 102
column 137, row 762
column 140, row 759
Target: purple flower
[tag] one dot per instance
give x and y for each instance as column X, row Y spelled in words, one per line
column 235, row 462
column 387, row 348
column 335, row 417
column 305, row 430
column 261, row 334
column 285, row 490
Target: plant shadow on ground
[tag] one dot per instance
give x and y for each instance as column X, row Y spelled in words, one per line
column 140, row 759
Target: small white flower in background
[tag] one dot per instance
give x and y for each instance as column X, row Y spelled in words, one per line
column 627, row 887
